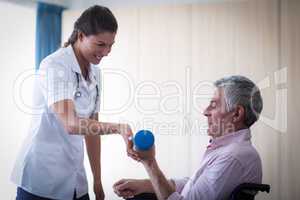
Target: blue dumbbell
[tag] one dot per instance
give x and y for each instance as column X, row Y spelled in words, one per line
column 143, row 140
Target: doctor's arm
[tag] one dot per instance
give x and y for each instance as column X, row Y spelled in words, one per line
column 93, row 147
column 65, row 111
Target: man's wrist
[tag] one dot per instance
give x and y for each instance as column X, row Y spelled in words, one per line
column 149, row 163
column 147, row 186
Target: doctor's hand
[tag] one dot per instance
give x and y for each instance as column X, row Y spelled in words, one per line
column 98, row 190
column 126, row 132
column 128, row 188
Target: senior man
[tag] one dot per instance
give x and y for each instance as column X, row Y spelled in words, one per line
column 230, row 158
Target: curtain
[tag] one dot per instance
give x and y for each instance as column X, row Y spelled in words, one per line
column 48, row 30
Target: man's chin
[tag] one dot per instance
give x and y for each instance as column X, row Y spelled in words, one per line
column 212, row 133
column 209, row 132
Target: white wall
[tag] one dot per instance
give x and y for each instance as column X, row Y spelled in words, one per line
column 141, row 53
column 162, row 43
column 17, row 47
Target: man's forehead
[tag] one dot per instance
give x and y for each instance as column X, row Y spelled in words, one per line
column 218, row 93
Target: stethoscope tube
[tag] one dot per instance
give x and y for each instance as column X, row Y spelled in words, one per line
column 78, row 93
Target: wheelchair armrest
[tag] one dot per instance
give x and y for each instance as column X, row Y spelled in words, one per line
column 246, row 187
column 254, row 186
column 247, row 191
column 144, row 196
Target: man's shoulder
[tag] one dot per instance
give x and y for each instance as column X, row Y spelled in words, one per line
column 242, row 152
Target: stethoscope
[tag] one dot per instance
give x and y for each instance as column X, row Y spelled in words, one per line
column 78, row 94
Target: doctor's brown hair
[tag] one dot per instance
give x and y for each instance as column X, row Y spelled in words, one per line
column 94, row 20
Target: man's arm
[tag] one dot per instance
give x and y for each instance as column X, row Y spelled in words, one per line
column 158, row 182
column 128, row 188
column 216, row 181
column 162, row 187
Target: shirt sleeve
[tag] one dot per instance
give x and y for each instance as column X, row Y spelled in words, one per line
column 55, row 81
column 180, row 183
column 217, row 181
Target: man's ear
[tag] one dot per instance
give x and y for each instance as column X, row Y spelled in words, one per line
column 239, row 114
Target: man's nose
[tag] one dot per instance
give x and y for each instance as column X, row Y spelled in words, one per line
column 206, row 112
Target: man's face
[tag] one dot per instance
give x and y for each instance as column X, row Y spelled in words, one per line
column 219, row 120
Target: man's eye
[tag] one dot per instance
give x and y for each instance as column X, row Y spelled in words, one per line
column 100, row 45
column 213, row 104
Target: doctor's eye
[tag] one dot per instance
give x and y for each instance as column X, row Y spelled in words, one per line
column 100, row 44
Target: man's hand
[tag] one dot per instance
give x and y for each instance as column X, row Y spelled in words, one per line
column 98, row 190
column 128, row 188
column 146, row 157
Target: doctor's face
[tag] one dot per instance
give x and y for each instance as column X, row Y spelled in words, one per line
column 94, row 47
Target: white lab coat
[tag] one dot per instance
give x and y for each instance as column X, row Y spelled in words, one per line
column 50, row 163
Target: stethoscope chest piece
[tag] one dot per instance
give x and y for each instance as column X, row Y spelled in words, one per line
column 77, row 94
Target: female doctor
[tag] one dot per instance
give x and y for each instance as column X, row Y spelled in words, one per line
column 50, row 165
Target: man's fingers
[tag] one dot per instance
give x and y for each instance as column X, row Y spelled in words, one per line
column 122, row 186
column 134, row 157
column 131, row 151
column 127, row 194
column 119, row 182
column 118, row 193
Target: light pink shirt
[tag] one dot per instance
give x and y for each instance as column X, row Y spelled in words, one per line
column 228, row 161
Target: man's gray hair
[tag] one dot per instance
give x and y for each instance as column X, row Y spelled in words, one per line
column 239, row 90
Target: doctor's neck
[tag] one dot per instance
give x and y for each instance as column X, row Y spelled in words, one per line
column 83, row 63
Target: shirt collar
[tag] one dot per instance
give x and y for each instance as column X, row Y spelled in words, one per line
column 238, row 136
column 75, row 65
column 92, row 75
